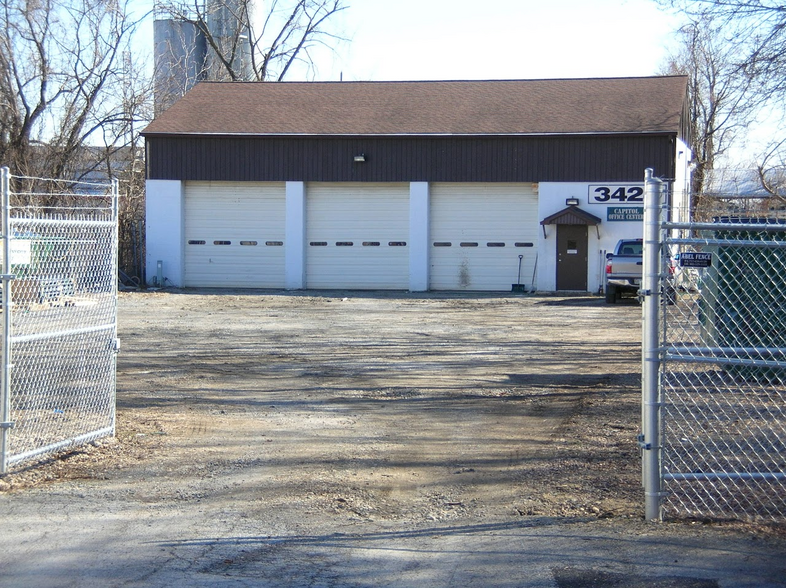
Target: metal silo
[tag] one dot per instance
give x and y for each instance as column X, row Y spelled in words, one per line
column 226, row 21
column 179, row 54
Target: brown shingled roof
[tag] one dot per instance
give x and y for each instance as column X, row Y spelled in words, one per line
column 567, row 106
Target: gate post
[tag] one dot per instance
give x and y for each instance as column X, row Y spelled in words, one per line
column 115, row 191
column 5, row 355
column 649, row 440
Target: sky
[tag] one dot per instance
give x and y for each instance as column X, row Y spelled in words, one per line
column 487, row 39
column 499, row 39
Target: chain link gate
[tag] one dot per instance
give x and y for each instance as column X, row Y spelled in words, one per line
column 59, row 312
column 714, row 362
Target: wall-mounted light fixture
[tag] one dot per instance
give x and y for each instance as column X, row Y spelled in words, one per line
column 572, row 202
column 360, row 158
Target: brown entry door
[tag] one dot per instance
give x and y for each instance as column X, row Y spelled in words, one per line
column 572, row 257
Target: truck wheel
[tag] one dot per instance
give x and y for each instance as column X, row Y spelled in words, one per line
column 611, row 295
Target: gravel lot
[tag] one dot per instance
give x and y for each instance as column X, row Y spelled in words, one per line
column 367, row 439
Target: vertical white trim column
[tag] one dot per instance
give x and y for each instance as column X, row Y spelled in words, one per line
column 418, row 236
column 295, row 237
column 165, row 232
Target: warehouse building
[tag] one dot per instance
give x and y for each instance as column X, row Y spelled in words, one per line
column 466, row 185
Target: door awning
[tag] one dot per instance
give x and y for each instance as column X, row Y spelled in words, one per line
column 572, row 215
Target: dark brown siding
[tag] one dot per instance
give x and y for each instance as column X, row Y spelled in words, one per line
column 403, row 159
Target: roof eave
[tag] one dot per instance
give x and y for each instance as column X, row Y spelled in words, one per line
column 378, row 135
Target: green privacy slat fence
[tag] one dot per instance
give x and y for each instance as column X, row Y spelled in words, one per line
column 721, row 389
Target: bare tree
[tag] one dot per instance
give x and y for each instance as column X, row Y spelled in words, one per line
column 722, row 102
column 63, row 82
column 751, row 37
column 772, row 173
column 756, row 28
column 248, row 44
column 72, row 98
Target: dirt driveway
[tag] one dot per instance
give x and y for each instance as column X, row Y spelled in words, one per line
column 366, row 440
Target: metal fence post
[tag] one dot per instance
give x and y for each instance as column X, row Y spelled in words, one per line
column 115, row 192
column 650, row 291
column 5, row 356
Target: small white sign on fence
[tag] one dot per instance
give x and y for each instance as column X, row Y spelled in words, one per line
column 20, row 252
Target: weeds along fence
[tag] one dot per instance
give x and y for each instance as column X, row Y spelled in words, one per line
column 714, row 374
column 59, row 315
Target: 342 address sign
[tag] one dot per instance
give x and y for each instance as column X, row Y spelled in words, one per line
column 615, row 193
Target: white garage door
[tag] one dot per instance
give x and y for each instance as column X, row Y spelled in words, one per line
column 356, row 236
column 234, row 234
column 478, row 232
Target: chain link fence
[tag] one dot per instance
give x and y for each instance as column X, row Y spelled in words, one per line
column 59, row 309
column 720, row 398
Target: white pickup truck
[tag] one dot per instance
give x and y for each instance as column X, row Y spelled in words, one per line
column 623, row 269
